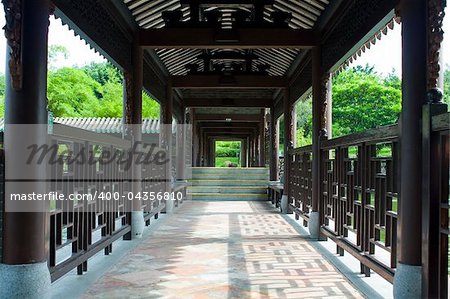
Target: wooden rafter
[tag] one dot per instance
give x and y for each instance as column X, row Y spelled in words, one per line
column 226, row 102
column 245, row 38
column 230, row 117
column 223, row 81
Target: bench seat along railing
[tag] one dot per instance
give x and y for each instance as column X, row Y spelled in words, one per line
column 359, row 193
column 80, row 229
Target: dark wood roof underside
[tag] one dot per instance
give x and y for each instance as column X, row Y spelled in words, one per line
column 343, row 26
column 304, row 14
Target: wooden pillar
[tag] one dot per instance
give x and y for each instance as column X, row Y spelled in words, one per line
column 407, row 281
column 203, row 156
column 132, row 118
column 242, row 153
column 181, row 144
column 274, row 145
column 194, row 136
column 247, row 152
column 288, row 144
column 316, row 125
column 166, row 140
column 25, row 235
column 255, row 148
column 201, row 146
column 213, row 153
column 249, row 162
column 329, row 105
column 321, row 86
column 262, row 139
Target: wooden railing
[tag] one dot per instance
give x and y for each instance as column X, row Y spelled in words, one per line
column 79, row 230
column 301, row 180
column 436, row 205
column 358, row 195
column 441, row 132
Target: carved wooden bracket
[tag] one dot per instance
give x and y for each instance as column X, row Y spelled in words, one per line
column 13, row 34
column 435, row 36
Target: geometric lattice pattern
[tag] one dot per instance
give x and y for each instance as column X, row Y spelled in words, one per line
column 223, row 250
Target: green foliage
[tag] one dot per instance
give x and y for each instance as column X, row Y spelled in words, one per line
column 112, row 100
column 103, row 73
column 94, row 90
column 303, row 111
column 230, row 144
column 150, row 107
column 227, row 152
column 363, row 100
column 228, row 148
column 72, row 93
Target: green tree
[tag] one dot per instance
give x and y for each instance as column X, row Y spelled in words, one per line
column 150, row 107
column 103, row 73
column 111, row 101
column 303, row 111
column 72, row 93
column 363, row 100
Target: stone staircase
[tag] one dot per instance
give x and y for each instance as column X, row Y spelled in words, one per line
column 229, row 184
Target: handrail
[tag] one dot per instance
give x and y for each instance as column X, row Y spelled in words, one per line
column 379, row 134
column 297, row 150
column 68, row 133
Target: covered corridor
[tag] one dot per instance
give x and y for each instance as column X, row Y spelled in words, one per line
column 226, row 69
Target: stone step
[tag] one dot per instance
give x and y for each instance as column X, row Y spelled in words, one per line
column 229, row 170
column 228, row 197
column 228, row 189
column 230, row 176
column 237, row 183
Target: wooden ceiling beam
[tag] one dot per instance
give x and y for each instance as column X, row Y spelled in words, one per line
column 226, row 2
column 242, row 102
column 242, row 38
column 225, row 125
column 204, row 81
column 230, row 117
column 231, row 131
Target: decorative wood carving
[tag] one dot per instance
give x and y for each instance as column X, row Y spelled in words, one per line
column 13, row 34
column 435, row 37
column 128, row 81
column 323, row 107
column 352, row 28
column 98, row 25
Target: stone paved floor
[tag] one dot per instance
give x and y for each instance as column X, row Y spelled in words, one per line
column 223, row 250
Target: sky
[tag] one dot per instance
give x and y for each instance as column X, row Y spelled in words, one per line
column 385, row 55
